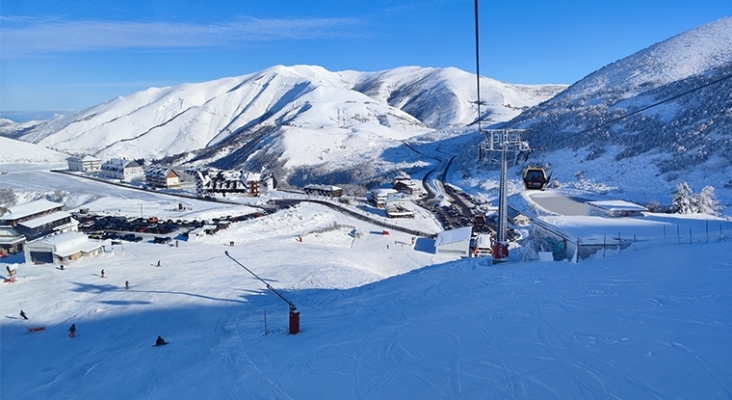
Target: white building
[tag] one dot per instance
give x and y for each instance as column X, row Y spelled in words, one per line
column 454, row 242
column 62, row 247
column 379, row 197
column 84, row 164
column 123, row 169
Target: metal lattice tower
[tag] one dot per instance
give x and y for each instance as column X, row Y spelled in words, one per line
column 504, row 141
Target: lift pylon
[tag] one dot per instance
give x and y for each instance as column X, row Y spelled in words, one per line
column 503, row 141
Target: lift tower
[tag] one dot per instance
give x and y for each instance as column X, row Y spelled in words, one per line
column 503, row 141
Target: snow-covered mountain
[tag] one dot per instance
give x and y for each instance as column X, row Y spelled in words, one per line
column 10, row 128
column 300, row 115
column 668, row 104
column 18, row 152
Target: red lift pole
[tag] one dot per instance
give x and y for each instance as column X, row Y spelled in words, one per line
column 294, row 314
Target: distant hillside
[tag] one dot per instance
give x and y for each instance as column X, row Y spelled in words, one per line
column 295, row 117
column 17, row 152
column 12, row 129
column 669, row 103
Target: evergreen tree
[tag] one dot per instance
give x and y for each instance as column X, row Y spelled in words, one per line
column 706, row 202
column 683, row 202
column 8, row 197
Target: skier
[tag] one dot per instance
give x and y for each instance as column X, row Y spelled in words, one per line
column 160, row 341
column 22, row 314
column 127, row 284
column 158, row 263
column 72, row 330
column 62, row 267
column 102, row 273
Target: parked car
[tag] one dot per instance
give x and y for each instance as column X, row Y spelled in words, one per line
column 162, row 240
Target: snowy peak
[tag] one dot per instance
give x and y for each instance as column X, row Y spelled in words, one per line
column 687, row 54
column 375, row 109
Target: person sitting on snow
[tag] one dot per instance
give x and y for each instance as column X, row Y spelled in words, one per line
column 160, row 341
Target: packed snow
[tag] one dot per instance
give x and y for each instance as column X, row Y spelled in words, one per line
column 379, row 317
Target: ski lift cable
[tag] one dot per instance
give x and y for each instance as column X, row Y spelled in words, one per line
column 477, row 63
column 640, row 110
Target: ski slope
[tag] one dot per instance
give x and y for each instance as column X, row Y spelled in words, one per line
column 376, row 322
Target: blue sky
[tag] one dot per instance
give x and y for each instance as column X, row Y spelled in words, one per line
column 71, row 54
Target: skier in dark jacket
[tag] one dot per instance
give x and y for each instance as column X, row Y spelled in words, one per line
column 160, row 341
column 22, row 314
column 72, row 330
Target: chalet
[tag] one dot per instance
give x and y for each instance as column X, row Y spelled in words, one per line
column 323, row 190
column 402, row 177
column 84, row 164
column 454, row 242
column 123, row 169
column 408, row 187
column 62, row 247
column 516, row 218
column 162, row 177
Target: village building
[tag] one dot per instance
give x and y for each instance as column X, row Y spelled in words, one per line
column 162, row 177
column 408, row 187
column 11, row 241
column 215, row 181
column 398, row 210
column 516, row 218
column 323, row 190
column 378, row 197
column 123, row 169
column 62, row 247
column 88, row 164
column 614, row 209
column 37, row 218
column 454, row 242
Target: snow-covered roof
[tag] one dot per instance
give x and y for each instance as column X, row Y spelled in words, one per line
column 66, row 244
column 454, row 236
column 34, row 207
column 9, row 235
column 650, row 226
column 120, row 164
column 383, row 192
column 315, row 186
column 617, row 205
column 86, row 158
column 46, row 219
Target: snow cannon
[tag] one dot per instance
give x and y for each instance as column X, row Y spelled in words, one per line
column 294, row 314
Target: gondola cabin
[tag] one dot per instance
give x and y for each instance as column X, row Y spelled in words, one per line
column 535, row 179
